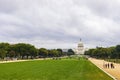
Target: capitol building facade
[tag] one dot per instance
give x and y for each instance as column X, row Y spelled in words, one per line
column 80, row 48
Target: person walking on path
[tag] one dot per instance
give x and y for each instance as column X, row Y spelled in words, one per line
column 108, row 65
column 112, row 65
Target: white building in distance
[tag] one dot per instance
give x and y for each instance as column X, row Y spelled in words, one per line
column 80, row 48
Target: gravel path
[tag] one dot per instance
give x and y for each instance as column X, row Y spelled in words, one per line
column 22, row 60
column 115, row 72
column 12, row 61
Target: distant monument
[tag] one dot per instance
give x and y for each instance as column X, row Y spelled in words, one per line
column 80, row 48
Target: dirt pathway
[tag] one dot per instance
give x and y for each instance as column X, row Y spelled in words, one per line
column 22, row 60
column 12, row 61
column 115, row 72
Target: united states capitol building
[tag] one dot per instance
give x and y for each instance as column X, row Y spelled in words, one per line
column 80, row 48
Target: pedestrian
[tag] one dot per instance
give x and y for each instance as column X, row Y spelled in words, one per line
column 108, row 65
column 112, row 66
column 105, row 65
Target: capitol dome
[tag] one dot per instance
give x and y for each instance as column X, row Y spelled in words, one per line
column 80, row 49
column 80, row 44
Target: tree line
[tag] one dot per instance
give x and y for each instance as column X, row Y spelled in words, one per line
column 105, row 53
column 28, row 51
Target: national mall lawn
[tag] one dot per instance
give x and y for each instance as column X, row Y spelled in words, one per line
column 65, row 69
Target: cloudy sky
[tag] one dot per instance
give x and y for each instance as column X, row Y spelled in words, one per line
column 60, row 23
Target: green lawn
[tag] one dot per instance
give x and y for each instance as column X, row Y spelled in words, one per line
column 52, row 70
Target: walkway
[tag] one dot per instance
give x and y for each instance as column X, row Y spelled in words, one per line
column 23, row 60
column 12, row 61
column 114, row 72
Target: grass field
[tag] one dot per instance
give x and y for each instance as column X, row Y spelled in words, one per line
column 52, row 70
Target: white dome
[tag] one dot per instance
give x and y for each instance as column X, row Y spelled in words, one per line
column 80, row 48
column 80, row 44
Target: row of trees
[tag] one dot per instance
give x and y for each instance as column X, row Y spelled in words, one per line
column 25, row 51
column 100, row 52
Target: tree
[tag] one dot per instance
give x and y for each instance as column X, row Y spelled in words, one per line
column 12, row 54
column 99, row 52
column 43, row 52
column 112, row 52
column 2, row 53
column 24, row 50
column 117, row 51
column 3, row 49
column 70, row 52
column 55, row 53
column 33, row 51
column 60, row 52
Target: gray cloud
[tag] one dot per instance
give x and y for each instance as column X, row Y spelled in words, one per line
column 60, row 23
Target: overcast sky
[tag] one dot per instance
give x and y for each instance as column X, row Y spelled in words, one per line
column 60, row 23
